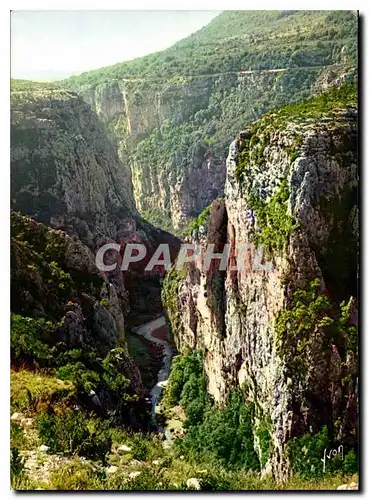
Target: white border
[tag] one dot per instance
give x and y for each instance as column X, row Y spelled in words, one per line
column 183, row 5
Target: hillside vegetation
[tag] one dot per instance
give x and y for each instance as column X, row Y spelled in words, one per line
column 241, row 40
column 175, row 112
column 77, row 409
column 72, row 380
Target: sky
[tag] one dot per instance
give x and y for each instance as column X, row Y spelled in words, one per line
column 51, row 45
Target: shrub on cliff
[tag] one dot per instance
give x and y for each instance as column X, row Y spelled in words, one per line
column 27, row 344
column 186, row 382
column 350, row 464
column 85, row 380
column 226, row 434
column 308, row 452
column 169, row 295
column 199, row 221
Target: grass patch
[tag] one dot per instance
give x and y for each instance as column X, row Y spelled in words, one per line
column 32, row 392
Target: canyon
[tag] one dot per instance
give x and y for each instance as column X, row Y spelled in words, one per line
column 173, row 114
column 220, row 140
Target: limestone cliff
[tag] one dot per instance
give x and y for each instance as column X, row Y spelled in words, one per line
column 75, row 312
column 287, row 334
column 66, row 313
column 168, row 185
column 65, row 172
column 40, row 254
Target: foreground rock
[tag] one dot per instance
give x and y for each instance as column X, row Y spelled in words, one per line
column 124, row 449
column 193, row 483
column 351, row 486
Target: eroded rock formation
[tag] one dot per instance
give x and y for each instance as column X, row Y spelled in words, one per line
column 162, row 130
column 67, row 174
column 286, row 334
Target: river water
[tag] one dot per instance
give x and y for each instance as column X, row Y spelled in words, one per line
column 147, row 330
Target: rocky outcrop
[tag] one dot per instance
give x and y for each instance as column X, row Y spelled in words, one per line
column 54, row 277
column 67, row 315
column 285, row 332
column 65, row 171
column 165, row 184
column 175, row 112
column 67, row 174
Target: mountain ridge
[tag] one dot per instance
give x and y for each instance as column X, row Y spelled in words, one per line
column 244, row 24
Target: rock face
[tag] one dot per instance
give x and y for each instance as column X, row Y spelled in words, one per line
column 283, row 333
column 77, row 300
column 175, row 112
column 66, row 173
column 47, row 283
column 167, row 186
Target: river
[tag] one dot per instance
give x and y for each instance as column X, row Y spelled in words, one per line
column 148, row 330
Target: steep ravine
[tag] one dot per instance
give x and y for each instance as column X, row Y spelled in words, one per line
column 102, row 163
column 162, row 130
column 76, row 195
column 66, row 173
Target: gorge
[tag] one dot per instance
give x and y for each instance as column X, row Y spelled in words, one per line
column 218, row 140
